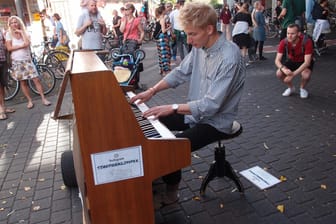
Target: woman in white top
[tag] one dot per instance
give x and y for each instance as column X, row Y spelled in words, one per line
column 18, row 43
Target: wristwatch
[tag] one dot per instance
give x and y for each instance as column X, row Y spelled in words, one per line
column 175, row 107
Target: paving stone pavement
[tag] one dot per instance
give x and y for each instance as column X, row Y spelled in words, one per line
column 288, row 136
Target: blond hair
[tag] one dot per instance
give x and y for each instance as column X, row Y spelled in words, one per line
column 198, row 15
column 21, row 25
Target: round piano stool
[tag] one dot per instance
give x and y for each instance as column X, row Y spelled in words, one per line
column 68, row 169
column 221, row 167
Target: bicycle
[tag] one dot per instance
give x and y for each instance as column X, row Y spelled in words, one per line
column 272, row 30
column 46, row 77
column 110, row 42
column 55, row 59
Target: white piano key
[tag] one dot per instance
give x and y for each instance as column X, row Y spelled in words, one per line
column 159, row 127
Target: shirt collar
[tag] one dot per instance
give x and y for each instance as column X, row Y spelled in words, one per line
column 216, row 46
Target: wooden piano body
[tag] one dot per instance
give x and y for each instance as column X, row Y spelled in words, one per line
column 104, row 124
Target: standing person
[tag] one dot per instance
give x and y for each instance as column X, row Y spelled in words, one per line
column 215, row 72
column 169, row 10
column 162, row 40
column 179, row 36
column 3, row 79
column 116, row 21
column 277, row 12
column 299, row 60
column 48, row 27
column 225, row 17
column 90, row 27
column 18, row 43
column 241, row 31
column 287, row 17
column 299, row 8
column 132, row 29
column 320, row 14
column 259, row 30
column 62, row 36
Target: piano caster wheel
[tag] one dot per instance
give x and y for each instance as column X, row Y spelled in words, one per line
column 68, row 169
column 220, row 168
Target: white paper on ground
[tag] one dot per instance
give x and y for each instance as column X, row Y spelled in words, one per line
column 259, row 177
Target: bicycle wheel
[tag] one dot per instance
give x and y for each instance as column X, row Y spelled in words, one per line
column 12, row 88
column 140, row 54
column 271, row 31
column 115, row 52
column 47, row 80
column 56, row 62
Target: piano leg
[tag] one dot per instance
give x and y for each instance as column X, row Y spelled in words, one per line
column 220, row 168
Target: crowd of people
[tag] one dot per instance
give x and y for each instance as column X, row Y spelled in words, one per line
column 213, row 63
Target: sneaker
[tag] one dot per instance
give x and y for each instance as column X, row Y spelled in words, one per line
column 262, row 58
column 288, row 91
column 303, row 93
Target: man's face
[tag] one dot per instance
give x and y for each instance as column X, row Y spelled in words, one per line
column 198, row 37
column 92, row 7
column 168, row 7
column 292, row 34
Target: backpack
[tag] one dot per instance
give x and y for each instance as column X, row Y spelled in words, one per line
column 303, row 43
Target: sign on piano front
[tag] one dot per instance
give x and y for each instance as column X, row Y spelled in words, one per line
column 117, row 165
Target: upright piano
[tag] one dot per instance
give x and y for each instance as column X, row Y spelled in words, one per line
column 116, row 152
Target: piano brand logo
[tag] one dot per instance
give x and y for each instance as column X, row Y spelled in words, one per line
column 116, row 158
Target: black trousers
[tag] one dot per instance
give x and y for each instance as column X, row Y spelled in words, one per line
column 3, row 73
column 199, row 136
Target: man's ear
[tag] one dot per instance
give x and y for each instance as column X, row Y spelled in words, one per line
column 210, row 29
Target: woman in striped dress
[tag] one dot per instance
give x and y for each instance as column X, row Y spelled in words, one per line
column 162, row 40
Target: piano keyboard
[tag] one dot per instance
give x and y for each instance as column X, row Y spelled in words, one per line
column 152, row 128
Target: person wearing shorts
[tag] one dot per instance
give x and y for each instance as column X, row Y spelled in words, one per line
column 298, row 52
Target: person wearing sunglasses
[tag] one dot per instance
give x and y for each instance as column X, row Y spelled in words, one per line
column 297, row 50
column 132, row 28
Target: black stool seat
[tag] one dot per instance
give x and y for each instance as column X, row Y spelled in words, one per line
column 221, row 167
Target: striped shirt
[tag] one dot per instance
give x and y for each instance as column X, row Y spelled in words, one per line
column 216, row 77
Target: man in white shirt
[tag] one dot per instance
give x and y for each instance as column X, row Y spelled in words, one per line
column 180, row 38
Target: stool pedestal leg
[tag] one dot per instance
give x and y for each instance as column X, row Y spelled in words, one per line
column 220, row 168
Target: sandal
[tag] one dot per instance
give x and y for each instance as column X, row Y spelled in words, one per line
column 30, row 105
column 9, row 110
column 3, row 116
column 46, row 103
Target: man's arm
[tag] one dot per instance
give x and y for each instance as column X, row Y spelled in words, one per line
column 282, row 13
column 102, row 24
column 82, row 26
column 277, row 61
column 306, row 64
column 141, row 33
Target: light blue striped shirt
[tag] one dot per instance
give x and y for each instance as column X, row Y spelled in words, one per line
column 216, row 76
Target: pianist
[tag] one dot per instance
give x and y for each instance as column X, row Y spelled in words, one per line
column 216, row 73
